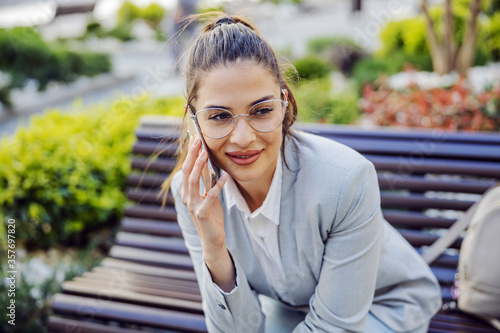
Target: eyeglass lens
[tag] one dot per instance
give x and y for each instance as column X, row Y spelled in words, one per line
column 263, row 117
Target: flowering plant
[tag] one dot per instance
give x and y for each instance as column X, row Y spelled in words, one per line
column 453, row 108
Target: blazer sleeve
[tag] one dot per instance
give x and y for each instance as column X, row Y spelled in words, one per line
column 236, row 311
column 346, row 286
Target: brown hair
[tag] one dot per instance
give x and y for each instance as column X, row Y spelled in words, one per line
column 224, row 40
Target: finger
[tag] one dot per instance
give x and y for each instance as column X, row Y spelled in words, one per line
column 187, row 166
column 213, row 194
column 194, row 177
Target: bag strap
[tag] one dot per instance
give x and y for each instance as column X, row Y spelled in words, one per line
column 442, row 243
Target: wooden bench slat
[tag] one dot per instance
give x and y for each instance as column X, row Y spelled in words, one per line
column 145, row 180
column 409, row 148
column 94, row 308
column 147, row 226
column 148, row 270
column 160, row 300
column 413, row 134
column 151, row 212
column 151, row 148
column 445, row 276
column 63, row 325
column 432, row 165
column 151, row 257
column 418, row 239
column 415, row 219
column 419, row 183
column 464, row 319
column 185, row 289
column 189, row 286
column 150, row 242
column 148, row 197
column 419, row 201
column 164, row 165
column 157, row 135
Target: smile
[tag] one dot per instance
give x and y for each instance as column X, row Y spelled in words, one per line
column 244, row 158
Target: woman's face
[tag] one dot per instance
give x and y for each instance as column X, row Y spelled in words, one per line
column 247, row 155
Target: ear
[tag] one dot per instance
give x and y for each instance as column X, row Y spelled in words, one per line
column 285, row 94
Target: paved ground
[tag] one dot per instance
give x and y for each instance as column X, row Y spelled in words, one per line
column 148, row 66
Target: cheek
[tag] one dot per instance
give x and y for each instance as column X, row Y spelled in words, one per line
column 215, row 148
column 273, row 140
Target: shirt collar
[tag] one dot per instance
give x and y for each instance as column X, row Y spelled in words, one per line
column 270, row 207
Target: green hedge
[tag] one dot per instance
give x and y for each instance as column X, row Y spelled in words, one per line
column 65, row 173
column 319, row 102
column 312, row 67
column 25, row 55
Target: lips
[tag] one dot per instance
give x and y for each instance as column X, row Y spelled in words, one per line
column 244, row 157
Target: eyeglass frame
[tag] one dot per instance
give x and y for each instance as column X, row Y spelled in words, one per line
column 233, row 120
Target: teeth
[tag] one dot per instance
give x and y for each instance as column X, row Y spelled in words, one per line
column 243, row 156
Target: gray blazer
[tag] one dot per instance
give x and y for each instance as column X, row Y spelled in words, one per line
column 341, row 258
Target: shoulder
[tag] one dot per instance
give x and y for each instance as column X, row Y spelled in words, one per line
column 317, row 152
column 328, row 171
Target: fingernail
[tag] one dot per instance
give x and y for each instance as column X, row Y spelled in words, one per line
column 191, row 138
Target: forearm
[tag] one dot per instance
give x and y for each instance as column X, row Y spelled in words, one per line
column 221, row 268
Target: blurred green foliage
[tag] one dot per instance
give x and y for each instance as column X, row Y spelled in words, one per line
column 122, row 32
column 25, row 55
column 128, row 12
column 492, row 36
column 127, row 15
column 64, row 174
column 404, row 41
column 312, row 67
column 319, row 102
column 152, row 15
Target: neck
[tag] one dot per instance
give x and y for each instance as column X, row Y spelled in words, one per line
column 256, row 192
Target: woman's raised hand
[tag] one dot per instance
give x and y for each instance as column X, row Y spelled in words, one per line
column 205, row 209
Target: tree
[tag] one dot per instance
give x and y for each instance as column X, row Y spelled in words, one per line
column 446, row 55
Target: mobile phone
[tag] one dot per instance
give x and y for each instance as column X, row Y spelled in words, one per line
column 208, row 175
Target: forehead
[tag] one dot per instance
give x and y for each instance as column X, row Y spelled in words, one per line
column 240, row 82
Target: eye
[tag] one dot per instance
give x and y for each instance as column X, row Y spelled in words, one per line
column 262, row 112
column 220, row 116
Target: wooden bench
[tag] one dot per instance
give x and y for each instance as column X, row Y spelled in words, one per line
column 147, row 283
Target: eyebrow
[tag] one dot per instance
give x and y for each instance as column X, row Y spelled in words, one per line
column 213, row 106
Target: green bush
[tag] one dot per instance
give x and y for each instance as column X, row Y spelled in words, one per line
column 311, row 67
column 318, row 102
column 492, row 36
column 370, row 69
column 128, row 13
column 25, row 55
column 152, row 15
column 407, row 38
column 65, row 173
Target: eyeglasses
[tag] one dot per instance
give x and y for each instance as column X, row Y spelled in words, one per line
column 265, row 116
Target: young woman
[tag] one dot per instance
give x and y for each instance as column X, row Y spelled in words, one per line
column 291, row 237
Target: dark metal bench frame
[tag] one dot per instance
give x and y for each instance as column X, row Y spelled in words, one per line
column 147, row 280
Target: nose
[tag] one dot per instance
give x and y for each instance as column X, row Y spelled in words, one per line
column 242, row 134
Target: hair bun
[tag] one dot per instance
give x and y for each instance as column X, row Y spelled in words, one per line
column 224, row 20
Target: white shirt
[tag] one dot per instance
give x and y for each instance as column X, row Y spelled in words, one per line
column 262, row 226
